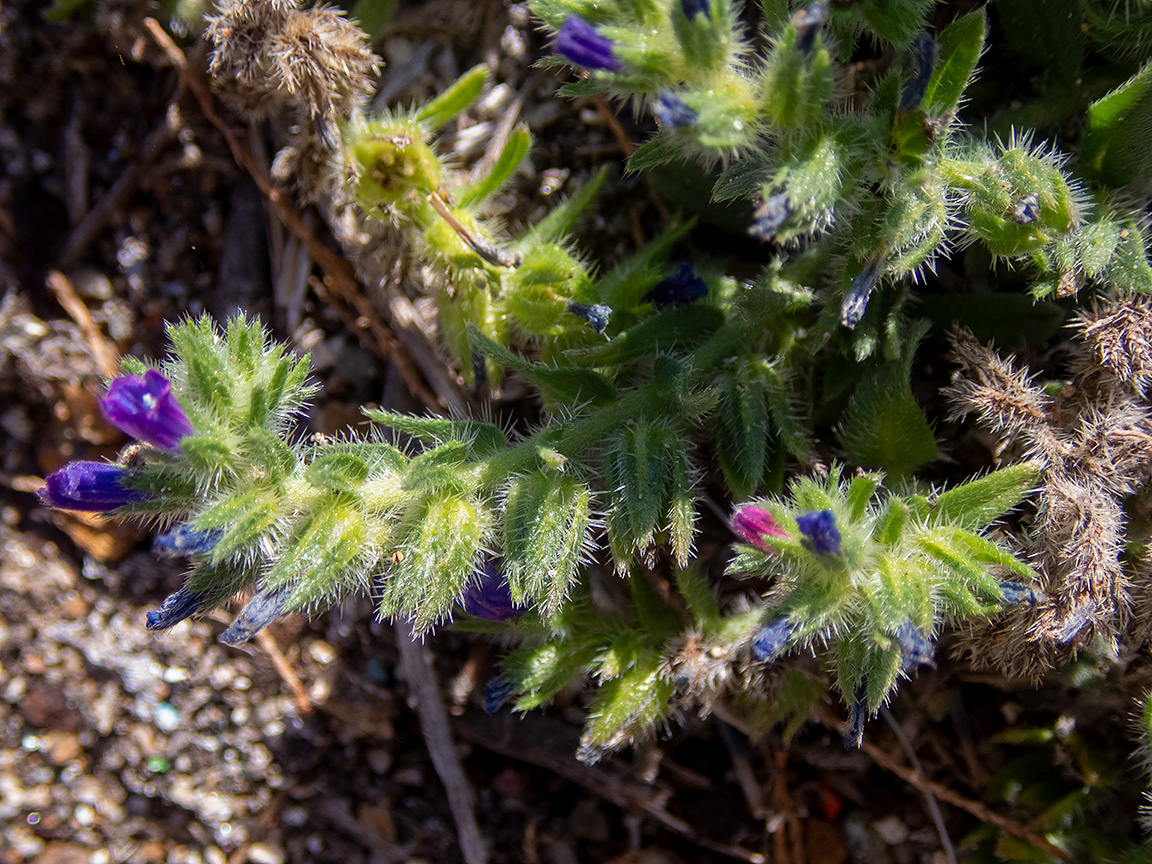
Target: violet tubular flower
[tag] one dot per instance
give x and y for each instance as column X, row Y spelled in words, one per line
column 808, row 23
column 1013, row 593
column 753, row 524
column 176, row 607
column 489, row 596
column 857, row 717
column 820, row 529
column 89, row 486
column 261, row 611
column 679, row 289
column 144, row 407
column 581, row 44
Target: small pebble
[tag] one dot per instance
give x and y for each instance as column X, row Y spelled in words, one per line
column 892, row 831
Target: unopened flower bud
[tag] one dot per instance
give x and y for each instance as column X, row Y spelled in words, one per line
column 770, row 642
column 915, row 647
column 1026, row 210
column 808, row 22
column 145, row 408
column 184, row 540
column 496, row 692
column 856, row 300
column 175, row 608
column 769, row 216
column 597, row 315
column 692, row 8
column 924, row 55
column 582, row 45
column 672, row 113
column 1012, row 593
column 753, row 524
column 820, row 529
column 857, row 717
column 261, row 611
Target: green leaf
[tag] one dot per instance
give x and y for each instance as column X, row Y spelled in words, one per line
column 633, row 465
column 566, row 386
column 318, row 561
column 977, row 503
column 1118, row 141
column 246, row 518
column 626, row 708
column 515, row 149
column 699, row 597
column 884, row 427
column 542, row 671
column 545, row 535
column 741, row 430
column 438, row 469
column 338, row 472
column 961, row 44
column 483, row 439
column 466, row 90
column 656, row 151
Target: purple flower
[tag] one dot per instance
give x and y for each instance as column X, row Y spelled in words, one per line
column 261, row 611
column 91, row 486
column 596, row 315
column 682, row 287
column 672, row 112
column 581, row 45
column 692, row 8
column 770, row 642
column 145, row 408
column 488, row 596
column 769, row 216
column 175, row 608
column 820, row 528
column 914, row 645
column 856, row 300
column 752, row 524
column 185, row 540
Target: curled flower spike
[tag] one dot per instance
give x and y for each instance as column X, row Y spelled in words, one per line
column 672, row 113
column 856, row 300
column 692, row 8
column 145, row 408
column 184, row 540
column 820, row 529
column 752, row 524
column 770, row 642
column 261, row 611
column 489, row 596
column 90, row 486
column 769, row 216
column 914, row 645
column 582, row 45
column 597, row 315
column 175, row 608
column 682, row 287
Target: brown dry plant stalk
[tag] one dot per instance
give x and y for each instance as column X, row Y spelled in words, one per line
column 1094, row 441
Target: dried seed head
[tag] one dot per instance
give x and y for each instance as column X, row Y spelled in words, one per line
column 1001, row 396
column 1120, row 340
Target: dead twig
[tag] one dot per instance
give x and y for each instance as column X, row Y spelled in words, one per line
column 284, row 669
column 917, row 779
column 933, row 807
column 416, row 661
column 340, row 279
column 103, row 350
